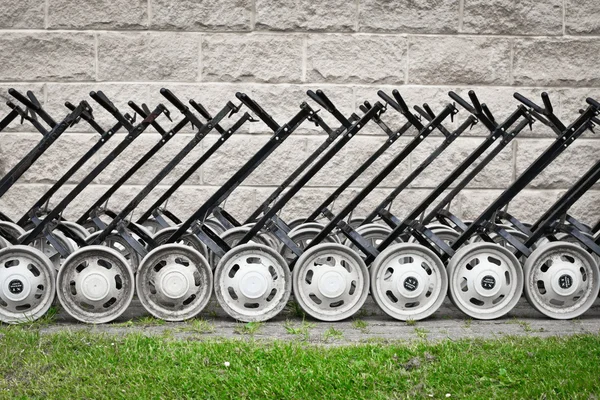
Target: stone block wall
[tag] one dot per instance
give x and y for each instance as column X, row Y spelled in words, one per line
column 275, row 51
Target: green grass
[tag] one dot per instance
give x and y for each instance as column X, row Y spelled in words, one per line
column 87, row 365
column 302, row 329
column 360, row 325
column 249, row 328
column 332, row 334
column 198, row 326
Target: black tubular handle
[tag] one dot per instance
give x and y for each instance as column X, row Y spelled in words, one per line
column 34, row 99
column 363, row 108
column 592, row 102
column 454, row 96
column 487, row 112
column 101, row 99
column 429, row 110
column 423, row 113
column 200, row 108
column 529, row 103
column 144, row 112
column 167, row 94
column 390, row 101
column 547, row 103
column 258, row 110
column 400, row 100
column 325, row 99
column 34, row 105
column 317, row 99
column 475, row 101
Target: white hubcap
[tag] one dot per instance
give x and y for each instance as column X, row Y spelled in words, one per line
column 253, row 283
column 332, row 284
column 173, row 283
column 487, row 283
column 94, row 286
column 565, row 281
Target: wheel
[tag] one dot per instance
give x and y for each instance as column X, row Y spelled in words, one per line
column 295, row 222
column 215, row 226
column 12, row 228
column 252, row 282
column 448, row 235
column 232, row 237
column 152, row 226
column 356, row 222
column 189, row 239
column 331, row 282
column 561, row 280
column 95, row 284
column 117, row 242
column 4, row 243
column 314, row 225
column 76, row 229
column 408, row 281
column 174, row 282
column 485, row 280
column 27, row 284
column 42, row 244
column 302, row 237
column 372, row 233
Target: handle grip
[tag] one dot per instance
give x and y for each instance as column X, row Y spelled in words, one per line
column 167, row 94
column 423, row 113
column 24, row 100
column 317, row 99
column 529, row 103
column 258, row 110
column 200, row 108
column 34, row 99
column 487, row 112
column 101, row 99
column 547, row 103
column 325, row 99
column 400, row 100
column 389, row 100
column 462, row 102
column 429, row 110
column 475, row 101
column 592, row 102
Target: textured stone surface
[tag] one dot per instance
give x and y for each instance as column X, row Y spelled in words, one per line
column 52, row 163
column 406, row 16
column 508, row 17
column 563, row 171
column 573, row 100
column 356, row 59
column 527, row 205
column 582, row 17
column 230, row 157
column 150, row 169
column 47, row 56
column 258, row 58
column 497, row 174
column 458, row 60
column 201, row 14
column 353, row 154
column 148, row 56
column 21, row 14
column 586, row 209
column 556, row 62
column 309, row 15
column 103, row 14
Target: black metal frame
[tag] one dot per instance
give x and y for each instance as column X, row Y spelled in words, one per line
column 196, row 220
column 49, row 223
